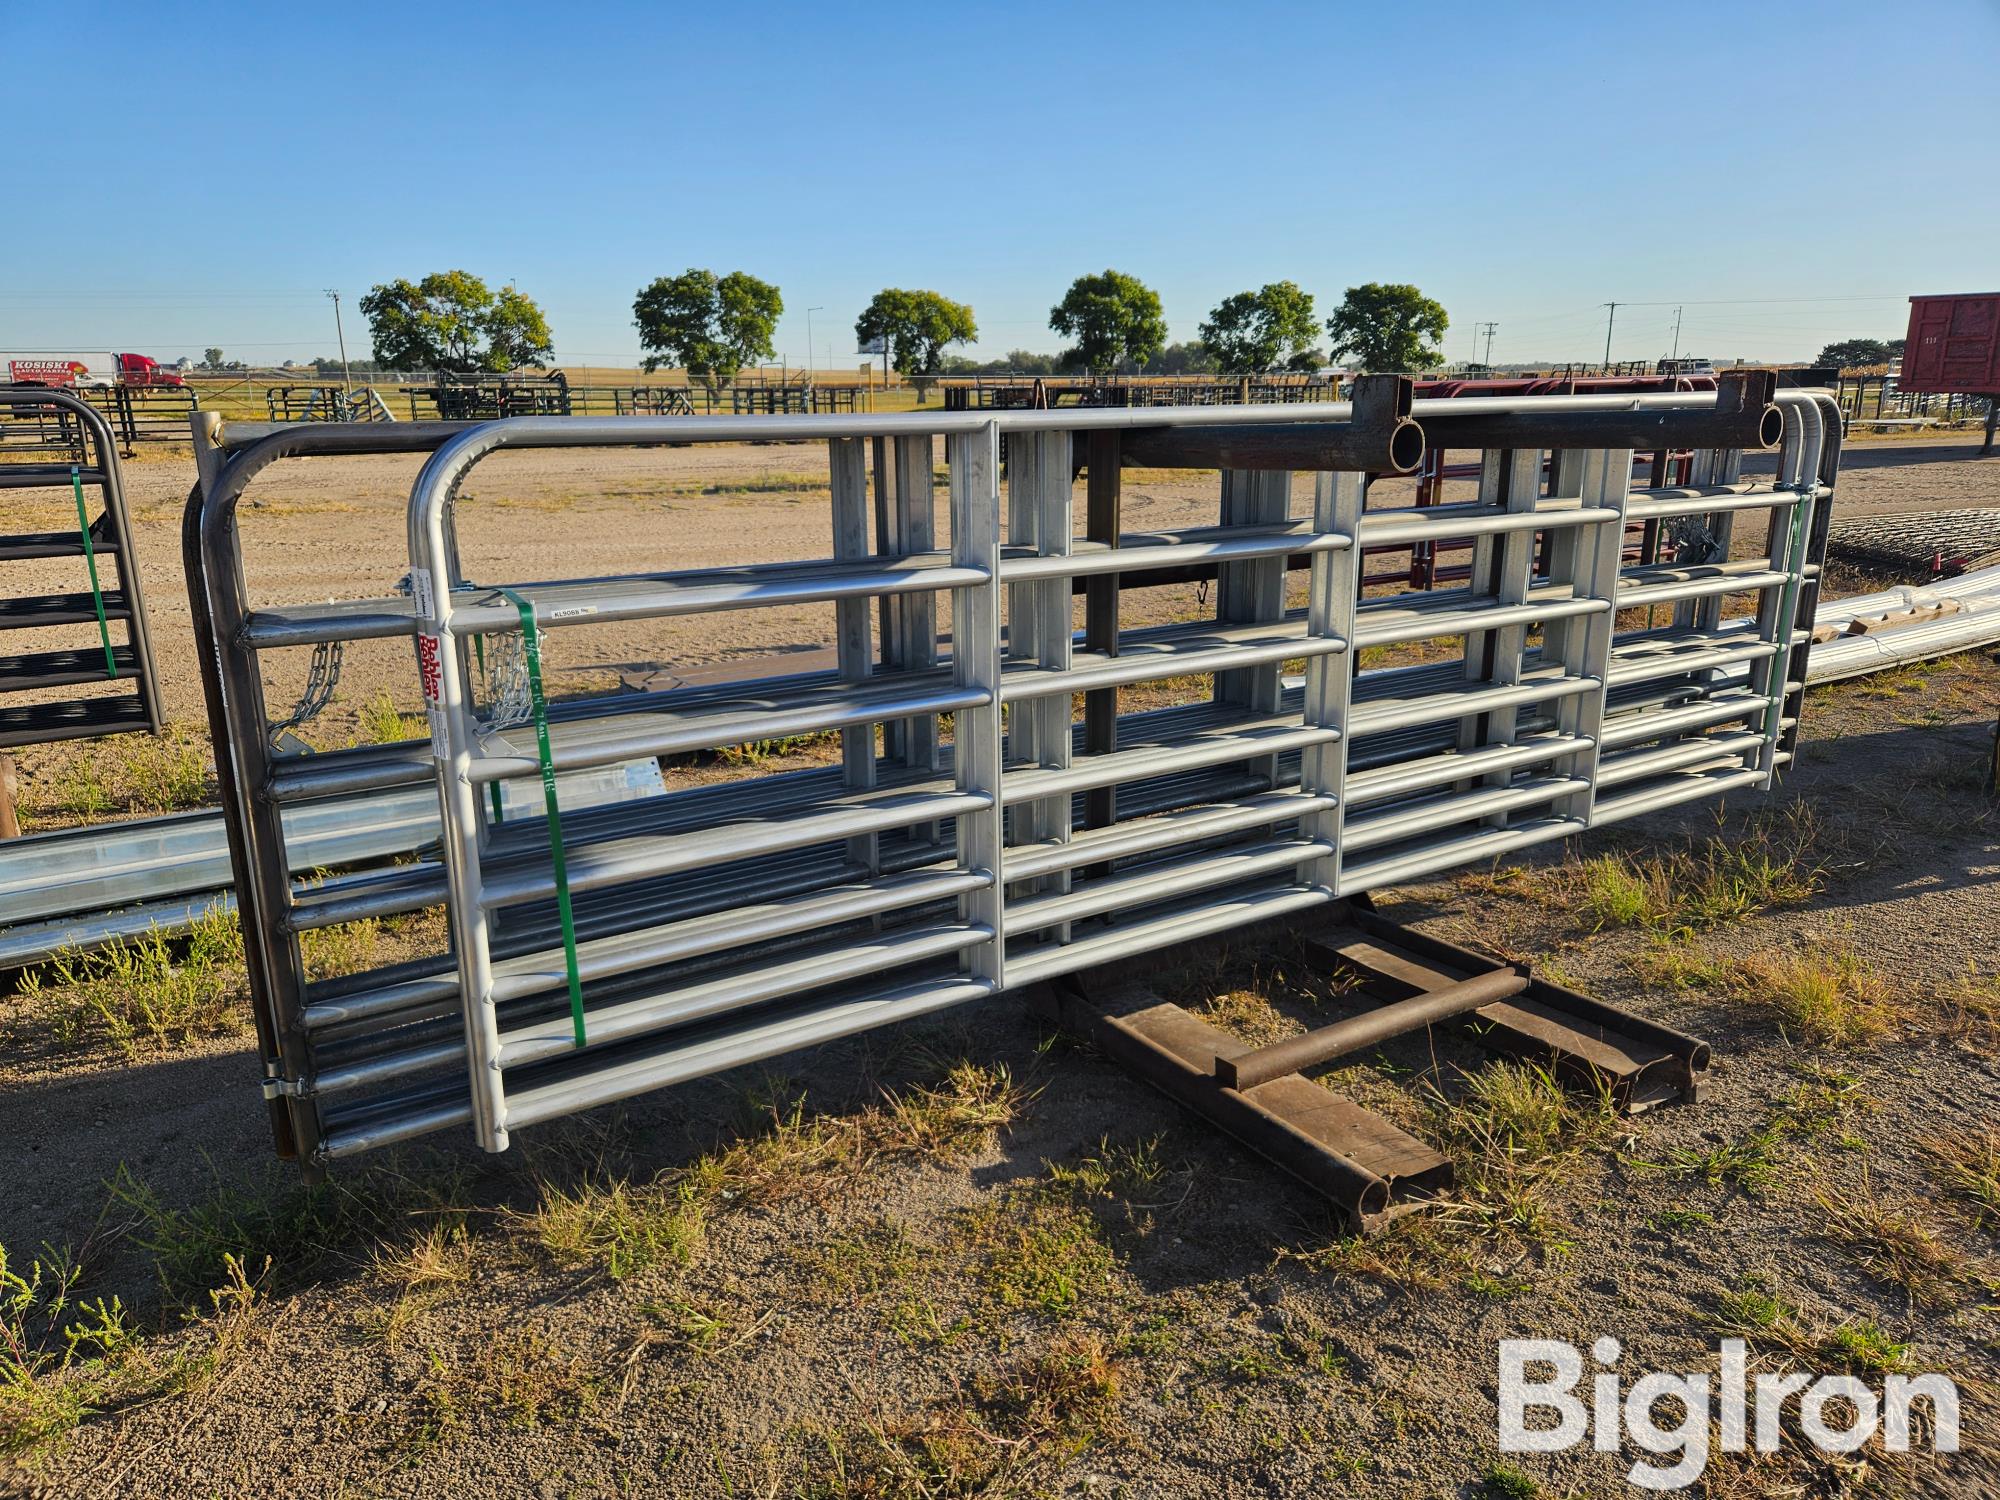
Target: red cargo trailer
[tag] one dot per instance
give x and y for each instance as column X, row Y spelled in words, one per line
column 1953, row 348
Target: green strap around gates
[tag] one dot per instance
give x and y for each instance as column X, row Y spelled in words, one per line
column 532, row 648
column 90, row 560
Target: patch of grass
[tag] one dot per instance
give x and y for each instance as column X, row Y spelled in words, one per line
column 1825, row 995
column 1830, row 998
column 300, row 1232
column 1682, row 964
column 702, row 1328
column 1749, row 1162
column 1512, row 1129
column 1246, row 1014
column 801, row 1154
column 1115, row 1172
column 1414, row 1252
column 1894, row 1246
column 1771, row 859
column 1968, row 1167
column 623, row 1229
column 39, row 1398
column 1043, row 1256
column 1969, row 1013
column 1685, row 1220
column 954, row 1119
column 1505, row 1482
column 346, row 949
column 880, row 1255
column 141, row 773
column 1823, row 1102
column 384, row 723
column 524, row 1379
column 152, row 989
column 1759, row 1316
column 1005, row 1435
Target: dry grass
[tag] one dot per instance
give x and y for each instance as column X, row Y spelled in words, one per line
column 1895, row 1246
column 1763, row 1318
column 1968, row 1167
column 84, row 781
column 1004, row 1435
column 1771, row 859
column 1825, row 995
column 1831, row 998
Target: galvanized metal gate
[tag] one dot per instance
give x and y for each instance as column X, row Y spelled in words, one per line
column 103, row 615
column 988, row 838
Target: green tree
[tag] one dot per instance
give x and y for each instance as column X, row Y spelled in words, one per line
column 1193, row 357
column 1388, row 328
column 917, row 326
column 452, row 321
column 1849, row 353
column 1113, row 317
column 709, row 325
column 1256, row 331
column 212, row 358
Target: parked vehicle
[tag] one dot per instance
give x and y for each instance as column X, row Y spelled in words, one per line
column 90, row 370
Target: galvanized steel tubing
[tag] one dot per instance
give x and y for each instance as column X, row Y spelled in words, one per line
column 952, row 859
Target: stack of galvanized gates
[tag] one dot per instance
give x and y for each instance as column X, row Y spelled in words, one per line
column 977, row 834
column 101, row 680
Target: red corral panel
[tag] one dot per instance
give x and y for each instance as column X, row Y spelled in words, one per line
column 1954, row 345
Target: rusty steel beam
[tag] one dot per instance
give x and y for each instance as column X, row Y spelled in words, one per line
column 1743, row 416
column 1380, row 438
column 1325, row 1043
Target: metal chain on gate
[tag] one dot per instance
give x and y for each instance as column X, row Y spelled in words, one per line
column 322, row 677
column 509, row 690
column 1693, row 541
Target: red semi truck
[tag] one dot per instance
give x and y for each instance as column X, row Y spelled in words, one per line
column 91, row 370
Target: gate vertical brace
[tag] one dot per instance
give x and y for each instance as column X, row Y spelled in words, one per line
column 978, row 749
column 1334, row 585
column 1791, row 536
column 888, row 543
column 1253, row 593
column 847, row 467
column 1102, row 523
column 1039, row 486
column 1513, row 563
column 915, row 528
column 1606, row 484
column 454, row 740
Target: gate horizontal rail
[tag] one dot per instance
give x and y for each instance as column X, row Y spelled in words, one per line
column 976, row 836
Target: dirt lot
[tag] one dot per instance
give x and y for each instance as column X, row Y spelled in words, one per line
column 967, row 1257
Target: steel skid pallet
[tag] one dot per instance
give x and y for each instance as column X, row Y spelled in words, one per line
column 102, row 618
column 1372, row 1170
column 721, row 924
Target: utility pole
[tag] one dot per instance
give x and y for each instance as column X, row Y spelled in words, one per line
column 1675, row 357
column 809, row 341
column 346, row 378
column 1488, row 327
column 1609, row 319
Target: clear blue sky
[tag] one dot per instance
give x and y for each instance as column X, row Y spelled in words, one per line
column 1789, row 172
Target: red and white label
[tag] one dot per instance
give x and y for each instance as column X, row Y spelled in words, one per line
column 429, row 651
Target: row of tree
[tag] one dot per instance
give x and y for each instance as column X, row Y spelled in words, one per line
column 1850, row 354
column 712, row 326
